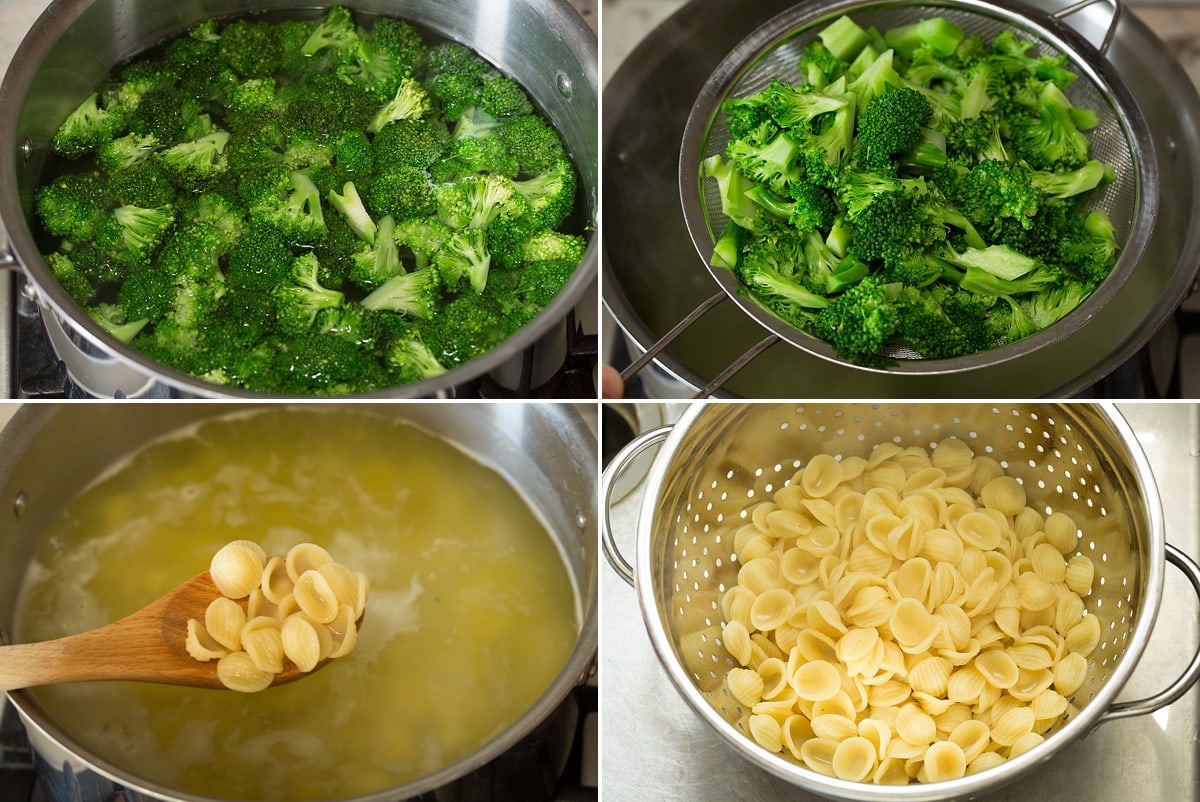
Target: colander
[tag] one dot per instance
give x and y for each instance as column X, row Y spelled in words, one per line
column 719, row 459
column 1121, row 139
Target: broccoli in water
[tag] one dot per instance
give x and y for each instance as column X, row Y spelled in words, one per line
column 917, row 188
column 323, row 205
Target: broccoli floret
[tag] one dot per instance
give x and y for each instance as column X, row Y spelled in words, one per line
column 250, row 48
column 809, row 209
column 532, row 142
column 196, row 164
column 471, row 155
column 764, row 275
column 296, row 213
column 878, row 77
column 890, row 125
column 402, row 193
column 464, row 255
column 1093, row 252
column 995, row 191
column 147, row 294
column 859, row 321
column 376, row 263
column 542, row 280
column 260, row 260
column 975, row 139
column 124, row 152
column 72, row 279
column 416, row 294
column 336, row 30
column 423, row 237
column 88, row 128
column 410, row 143
column 111, row 318
column 733, row 187
column 411, row 360
column 410, row 102
column 72, row 205
column 457, row 76
column 353, row 323
column 940, row 324
column 143, row 183
column 468, row 325
column 299, row 300
column 819, row 66
column 1070, row 183
column 473, row 201
column 501, row 96
column 793, row 107
column 327, row 363
column 554, row 245
column 774, row 163
column 133, row 233
column 350, row 204
column 402, row 42
column 1051, row 140
column 550, row 195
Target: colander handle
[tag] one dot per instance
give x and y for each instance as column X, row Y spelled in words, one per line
column 670, row 337
column 612, row 473
column 1075, row 8
column 1180, row 686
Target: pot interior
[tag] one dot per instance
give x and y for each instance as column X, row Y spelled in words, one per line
column 557, row 486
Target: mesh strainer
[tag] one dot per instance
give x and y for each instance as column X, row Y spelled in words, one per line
column 721, row 458
column 1121, row 139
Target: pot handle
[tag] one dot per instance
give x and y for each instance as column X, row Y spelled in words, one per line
column 1180, row 686
column 612, row 473
column 1074, row 8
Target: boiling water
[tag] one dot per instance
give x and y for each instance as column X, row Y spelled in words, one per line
column 471, row 615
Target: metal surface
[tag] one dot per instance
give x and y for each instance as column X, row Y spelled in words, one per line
column 74, row 44
column 653, row 276
column 657, row 747
column 547, row 451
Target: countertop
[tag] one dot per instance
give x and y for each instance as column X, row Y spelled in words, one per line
column 656, row 747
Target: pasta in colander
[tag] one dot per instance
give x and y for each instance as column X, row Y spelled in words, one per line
column 906, row 616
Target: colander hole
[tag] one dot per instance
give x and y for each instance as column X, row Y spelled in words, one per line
column 822, row 428
column 758, row 471
column 1075, row 495
column 1042, row 486
column 783, row 426
column 1008, row 427
column 1021, row 444
column 713, row 486
column 750, row 493
column 861, row 438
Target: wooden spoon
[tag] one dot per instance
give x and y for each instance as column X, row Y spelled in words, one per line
column 147, row 646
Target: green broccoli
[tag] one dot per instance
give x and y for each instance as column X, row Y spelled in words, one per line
column 464, row 255
column 410, row 102
column 412, row 360
column 111, row 318
column 473, row 201
column 402, row 193
column 88, row 128
column 297, row 213
column 301, row 298
column 72, row 205
column 416, row 294
column 890, row 125
column 375, row 263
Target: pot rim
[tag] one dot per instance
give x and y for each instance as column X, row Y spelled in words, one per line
column 14, row 91
column 967, row 787
column 573, row 674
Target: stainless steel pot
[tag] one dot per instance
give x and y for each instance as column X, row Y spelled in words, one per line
column 545, row 44
column 1079, row 459
column 652, row 278
column 548, row 452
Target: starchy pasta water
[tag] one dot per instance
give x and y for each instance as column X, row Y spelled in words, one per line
column 907, row 616
column 472, row 611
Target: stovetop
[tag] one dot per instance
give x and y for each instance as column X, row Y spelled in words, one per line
column 656, row 747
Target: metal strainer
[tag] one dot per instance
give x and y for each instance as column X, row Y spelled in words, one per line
column 720, row 459
column 1121, row 139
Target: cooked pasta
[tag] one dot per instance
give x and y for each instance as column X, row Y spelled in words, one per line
column 303, row 607
column 906, row 616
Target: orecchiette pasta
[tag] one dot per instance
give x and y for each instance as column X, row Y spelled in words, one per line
column 303, row 606
column 905, row 616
